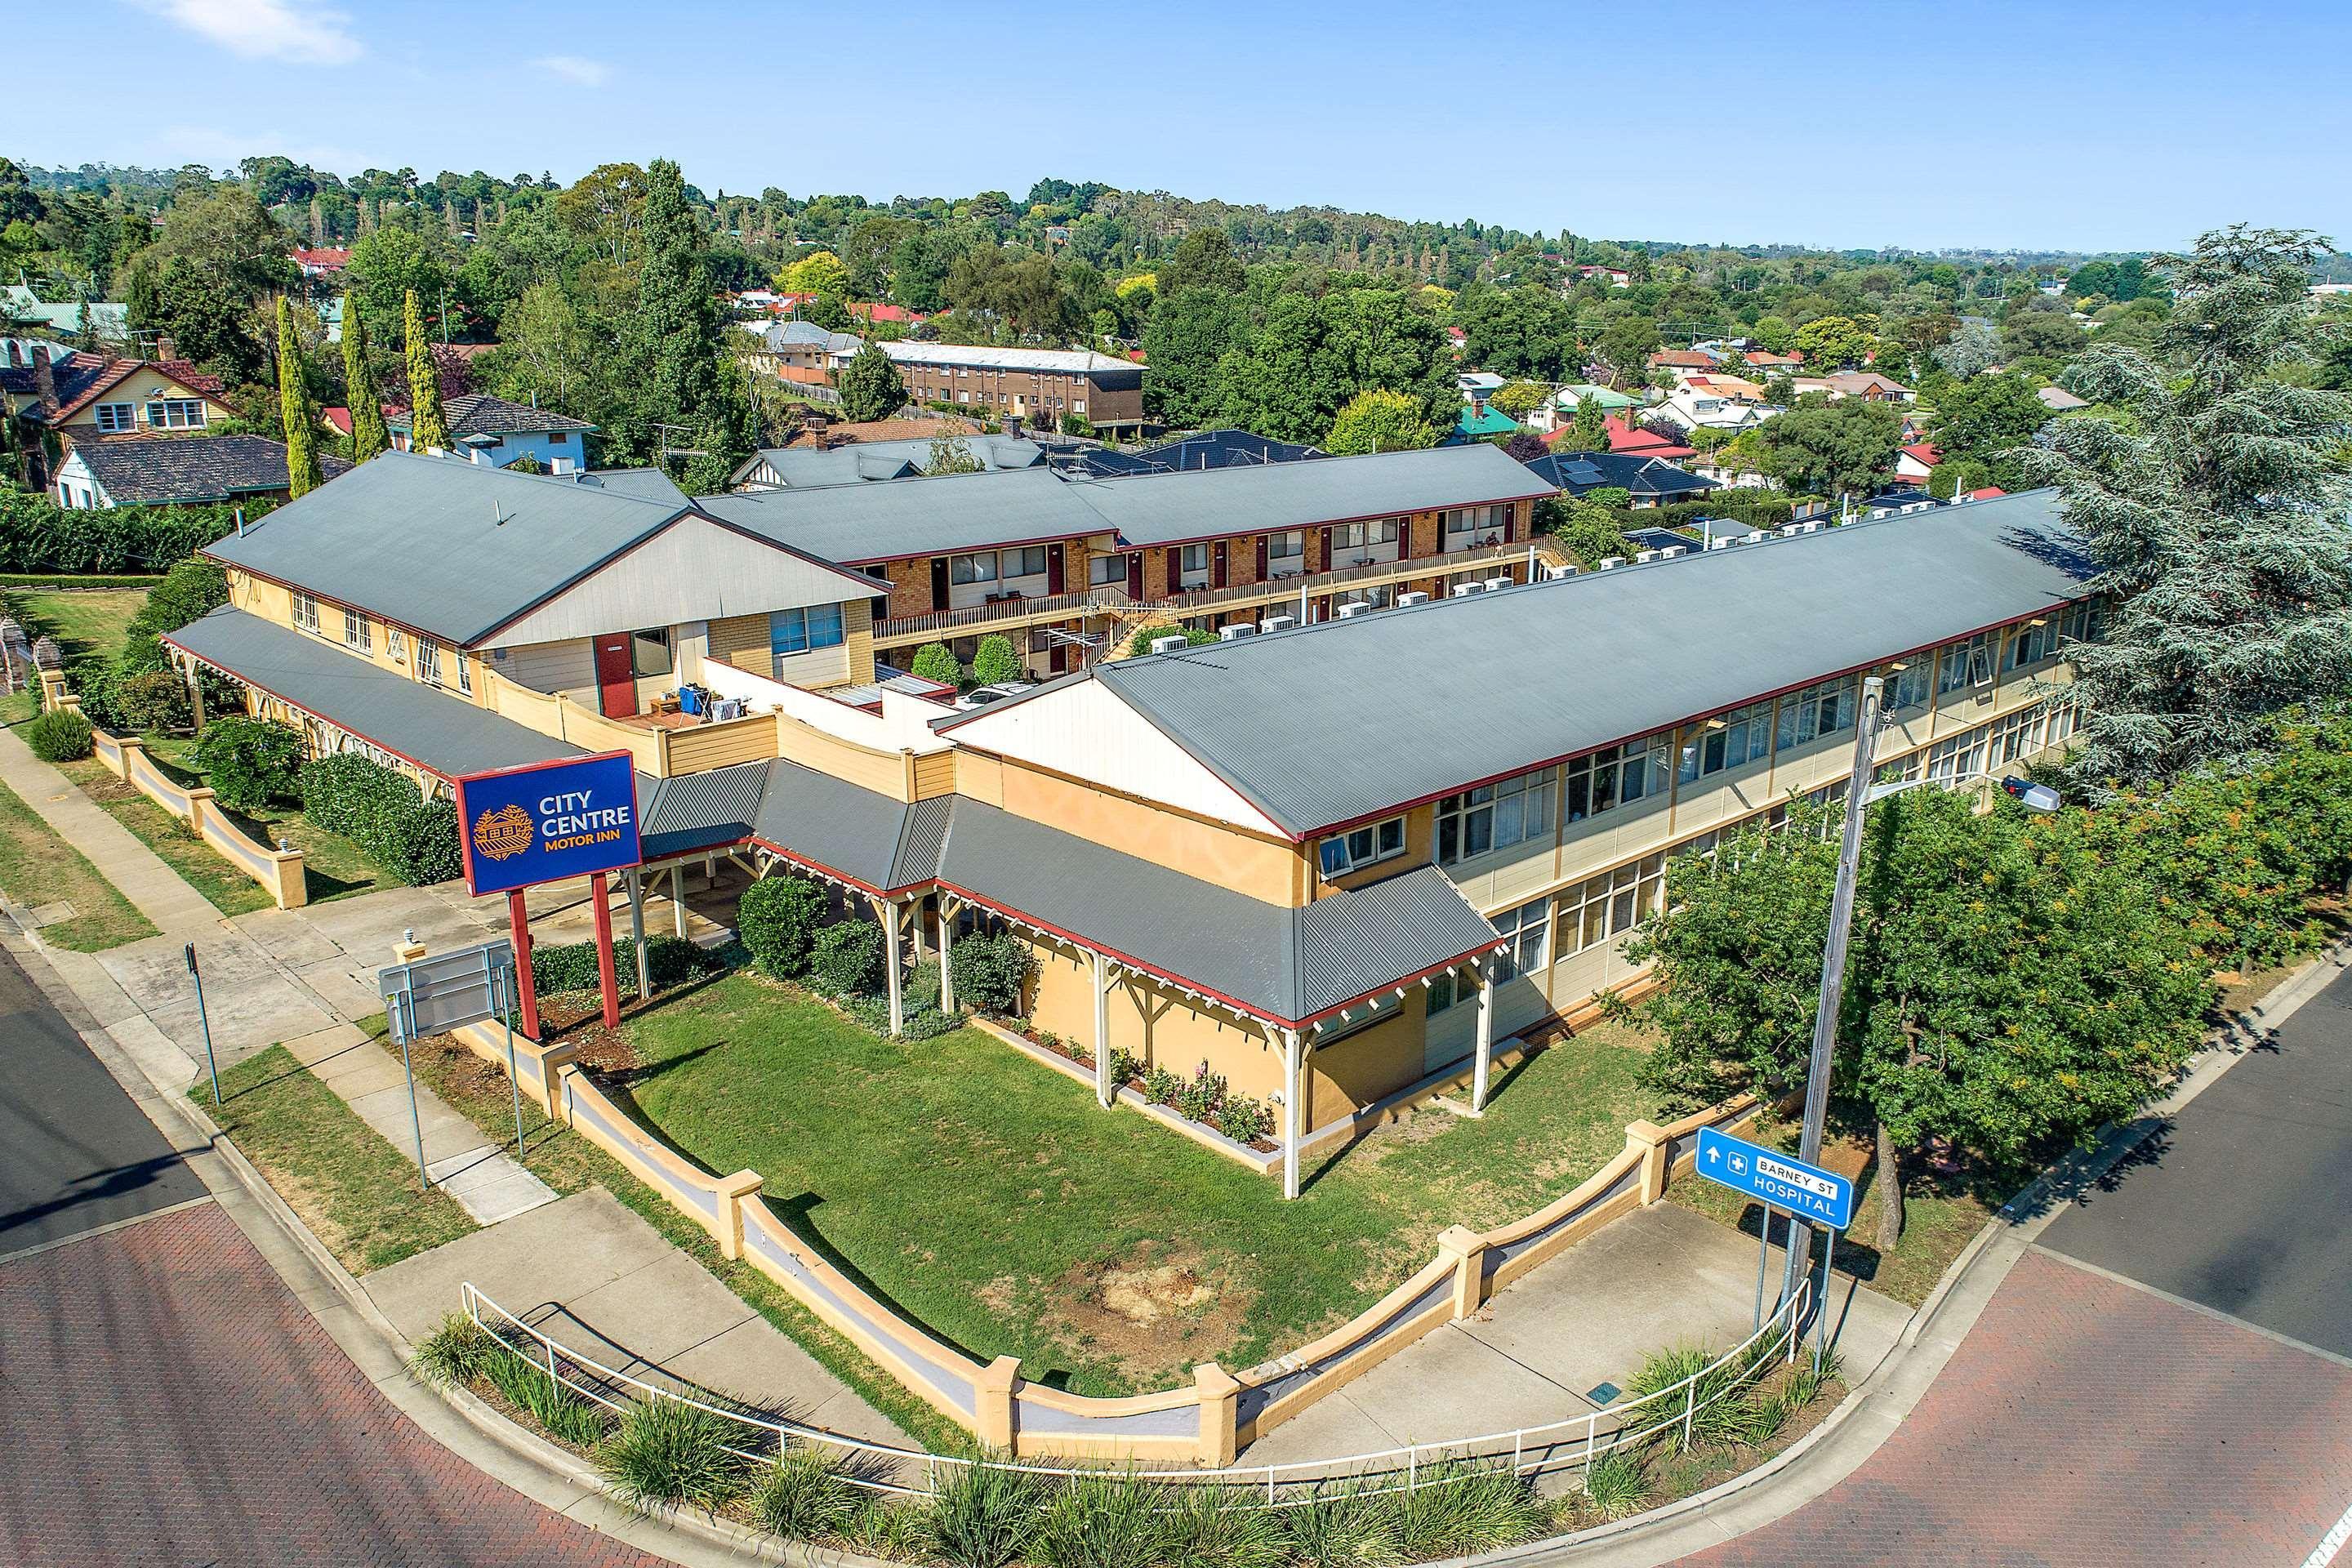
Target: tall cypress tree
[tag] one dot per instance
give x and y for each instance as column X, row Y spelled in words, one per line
column 677, row 337
column 427, row 428
column 303, row 473
column 367, row 434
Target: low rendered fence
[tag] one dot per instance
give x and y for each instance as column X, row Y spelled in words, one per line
column 1575, row 1442
column 1205, row 1423
column 280, row 871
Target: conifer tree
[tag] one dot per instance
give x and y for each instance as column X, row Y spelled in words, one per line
column 677, row 338
column 303, row 473
column 369, row 437
column 427, row 428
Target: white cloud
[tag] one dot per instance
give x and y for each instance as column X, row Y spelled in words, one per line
column 574, row 70
column 286, row 31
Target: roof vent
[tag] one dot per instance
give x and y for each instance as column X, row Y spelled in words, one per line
column 1721, row 542
column 1238, row 630
column 1170, row 644
column 1813, row 527
column 1277, row 623
column 1406, row 599
column 1354, row 608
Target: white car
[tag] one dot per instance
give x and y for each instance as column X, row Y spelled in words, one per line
column 981, row 696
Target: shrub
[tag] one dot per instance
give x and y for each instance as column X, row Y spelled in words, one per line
column 667, row 1453
column 1212, row 1527
column 924, row 1023
column 1161, row 1087
column 249, row 762
column 572, row 965
column 1125, row 1069
column 934, row 662
column 1103, row 1522
column 1465, row 1509
column 1615, row 1485
column 455, row 1353
column 1200, row 1096
column 846, row 959
column 1344, row 1529
column 892, row 1531
column 992, row 972
column 1244, row 1119
column 412, row 839
column 142, row 700
column 801, row 1498
column 560, row 1413
column 60, row 735
column 778, row 917
column 189, row 591
column 995, row 661
column 1140, row 643
column 1077, row 425
column 983, row 1516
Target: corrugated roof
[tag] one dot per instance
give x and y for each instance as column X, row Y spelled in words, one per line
column 920, row 840
column 438, row 730
column 448, row 547
column 695, row 811
column 1354, row 944
column 1065, row 362
column 857, row 523
column 824, row 820
column 1491, row 685
column 802, row 468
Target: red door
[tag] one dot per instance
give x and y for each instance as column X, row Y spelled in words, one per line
column 617, row 682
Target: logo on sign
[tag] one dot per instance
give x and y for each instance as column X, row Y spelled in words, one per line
column 502, row 833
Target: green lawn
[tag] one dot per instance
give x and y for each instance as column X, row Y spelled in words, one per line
column 991, row 1200
column 356, row 1192
column 38, row 867
column 92, row 623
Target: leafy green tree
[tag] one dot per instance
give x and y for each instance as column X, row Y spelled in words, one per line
column 1523, row 332
column 994, row 662
column 1203, row 259
column 1520, row 398
column 1974, row 349
column 2050, row 333
column 819, row 272
column 1292, row 376
column 1831, row 342
column 427, row 428
column 200, row 314
column 683, row 373
column 1588, row 431
column 918, row 270
column 1820, row 447
column 390, row 264
column 302, row 471
column 778, row 920
column 1626, row 345
column 249, row 762
column 1380, row 421
column 870, row 386
column 2006, row 990
column 1586, row 529
column 934, row 662
column 367, row 402
column 2213, row 506
column 1185, row 338
column 951, row 455
column 1982, row 419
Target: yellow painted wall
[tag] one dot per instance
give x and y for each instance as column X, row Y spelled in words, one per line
column 1265, row 868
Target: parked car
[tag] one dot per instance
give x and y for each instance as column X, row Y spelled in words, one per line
column 981, row 696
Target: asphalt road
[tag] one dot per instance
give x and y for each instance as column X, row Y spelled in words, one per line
column 2241, row 1205
column 75, row 1152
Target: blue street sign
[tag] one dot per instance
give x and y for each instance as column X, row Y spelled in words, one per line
column 1806, row 1191
column 548, row 821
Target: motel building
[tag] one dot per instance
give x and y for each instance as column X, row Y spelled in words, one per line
column 1343, row 862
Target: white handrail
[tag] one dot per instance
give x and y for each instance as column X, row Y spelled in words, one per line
column 1562, row 1448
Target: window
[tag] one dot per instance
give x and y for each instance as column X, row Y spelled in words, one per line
column 2085, row 623
column 357, row 633
column 980, row 568
column 1028, row 561
column 1527, row 939
column 428, row 660
column 1361, row 847
column 1820, row 709
column 1291, row 546
column 1603, row 907
column 650, row 652
column 1195, row 558
column 176, row 414
column 1079, row 406
column 306, row 611
column 396, row 645
column 1495, row 816
column 1957, row 759
column 798, row 631
column 1906, row 687
column 559, row 437
column 113, row 418
column 1107, row 571
column 1461, row 520
column 1968, row 662
column 1612, row 777
column 2016, row 737
column 1729, row 741
column 2031, row 643
column 465, row 675
column 1363, row 535
column 1445, row 990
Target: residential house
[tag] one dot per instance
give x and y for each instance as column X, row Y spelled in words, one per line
column 321, row 261
column 1731, row 471
column 1477, row 385
column 1560, row 407
column 2058, row 400
column 1626, row 437
column 1764, row 361
column 1866, row 385
column 1716, row 403
column 176, row 471
column 1478, row 421
column 1651, row 481
column 1685, row 360
column 108, row 322
column 1618, row 276
column 1038, row 385
column 1916, row 464
column 501, row 433
column 60, row 400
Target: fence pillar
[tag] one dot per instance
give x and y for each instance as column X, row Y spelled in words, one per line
column 1465, row 1249
column 993, row 1403
column 199, row 802
column 732, row 1191
column 1220, row 1397
column 53, row 688
column 553, row 1061
column 1649, row 1139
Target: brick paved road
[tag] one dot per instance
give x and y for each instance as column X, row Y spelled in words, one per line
column 166, row 1400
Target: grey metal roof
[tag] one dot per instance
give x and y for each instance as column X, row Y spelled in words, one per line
column 695, row 811
column 479, row 414
column 829, row 822
column 920, row 840
column 448, row 547
column 802, row 468
column 645, row 484
column 1489, row 686
column 438, row 730
column 858, row 523
column 1355, row 942
column 168, row 468
column 1054, row 362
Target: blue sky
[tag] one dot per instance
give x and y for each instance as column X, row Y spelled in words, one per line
column 2085, row 126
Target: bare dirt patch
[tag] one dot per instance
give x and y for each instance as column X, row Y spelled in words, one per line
column 1154, row 1311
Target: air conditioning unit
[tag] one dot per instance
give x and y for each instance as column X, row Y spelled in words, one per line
column 1354, row 608
column 1559, row 573
column 1235, row 632
column 1611, row 563
column 1813, row 527
column 1724, row 542
column 1645, row 556
column 1790, row 531
column 1170, row 644
column 1463, row 590
column 1277, row 623
column 1496, row 584
column 1404, row 599
column 1758, row 537
column 1672, row 551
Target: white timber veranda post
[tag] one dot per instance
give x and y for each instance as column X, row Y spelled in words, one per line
column 1486, row 969
column 889, row 909
column 949, row 910
column 1291, row 1130
column 1102, row 1031
column 678, row 898
column 637, row 933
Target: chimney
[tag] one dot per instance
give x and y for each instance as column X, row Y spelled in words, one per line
column 15, row 355
column 44, row 380
column 166, row 349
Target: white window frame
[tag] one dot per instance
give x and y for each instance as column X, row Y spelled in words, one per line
column 115, row 419
column 1801, row 712
column 428, row 660
column 1339, row 854
column 1604, row 773
column 395, row 643
column 358, row 631
column 1527, row 939
column 1497, row 816
column 1289, row 545
column 306, row 612
column 1729, row 741
column 1965, row 663
column 1603, row 908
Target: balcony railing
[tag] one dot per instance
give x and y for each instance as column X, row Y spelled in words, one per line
column 1201, row 600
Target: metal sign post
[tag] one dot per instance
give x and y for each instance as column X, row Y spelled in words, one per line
column 506, row 1017
column 407, row 1012
column 448, row 991
column 1822, row 1197
column 204, row 1022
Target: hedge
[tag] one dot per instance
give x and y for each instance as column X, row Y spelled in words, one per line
column 60, row 735
column 382, row 810
column 572, row 965
column 36, row 536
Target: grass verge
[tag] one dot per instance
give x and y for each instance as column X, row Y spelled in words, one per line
column 356, row 1192
column 38, row 867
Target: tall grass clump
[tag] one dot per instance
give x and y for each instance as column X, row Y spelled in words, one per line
column 1462, row 1508
column 455, row 1353
column 561, row 1414
column 985, row 1516
column 802, row 1497
column 1098, row 1521
column 666, row 1454
column 1616, row 1484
